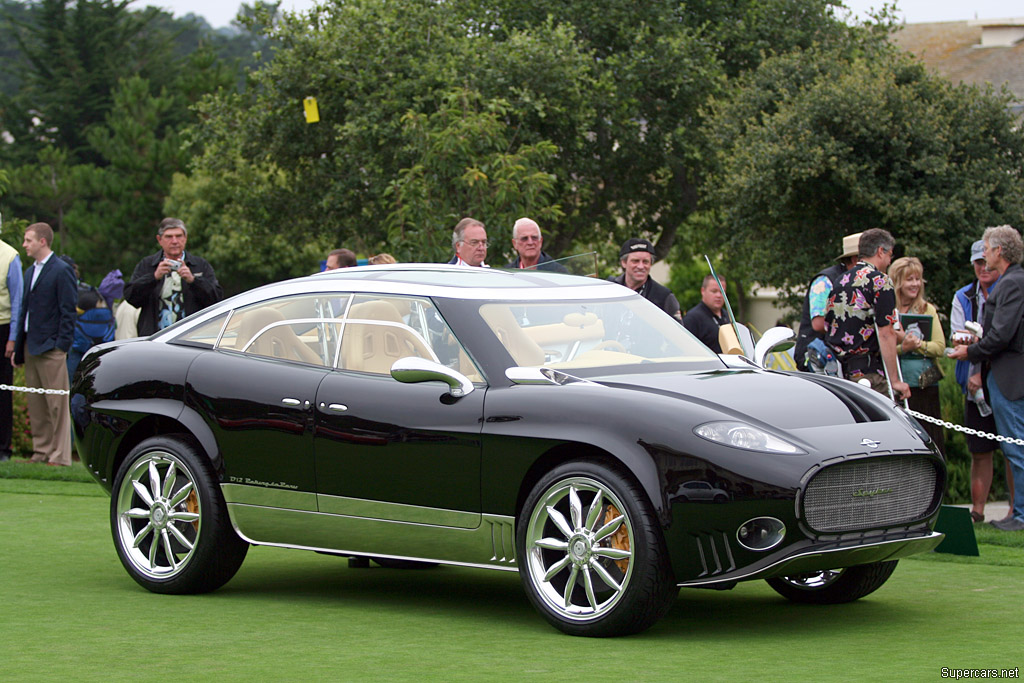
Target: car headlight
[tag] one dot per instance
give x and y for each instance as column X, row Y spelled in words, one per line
column 745, row 436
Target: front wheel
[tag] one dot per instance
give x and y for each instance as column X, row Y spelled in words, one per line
column 834, row 586
column 591, row 555
column 169, row 520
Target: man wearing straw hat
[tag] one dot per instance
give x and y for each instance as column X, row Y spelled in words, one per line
column 860, row 315
column 812, row 315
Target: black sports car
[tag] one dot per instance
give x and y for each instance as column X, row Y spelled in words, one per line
column 534, row 422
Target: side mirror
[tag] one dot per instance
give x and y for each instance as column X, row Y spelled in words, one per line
column 412, row 370
column 773, row 340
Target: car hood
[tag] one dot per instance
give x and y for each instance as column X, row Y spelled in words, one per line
column 782, row 400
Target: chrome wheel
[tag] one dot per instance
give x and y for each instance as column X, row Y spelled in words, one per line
column 813, row 581
column 159, row 515
column 579, row 548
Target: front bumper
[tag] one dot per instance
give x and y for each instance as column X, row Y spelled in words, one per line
column 812, row 556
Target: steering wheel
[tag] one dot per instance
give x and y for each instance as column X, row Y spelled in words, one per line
column 610, row 345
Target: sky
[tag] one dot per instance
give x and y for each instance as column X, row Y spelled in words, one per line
column 219, row 13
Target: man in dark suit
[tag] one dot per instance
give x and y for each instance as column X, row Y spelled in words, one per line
column 1001, row 347
column 44, row 337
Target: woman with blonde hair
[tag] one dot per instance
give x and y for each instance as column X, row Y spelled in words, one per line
column 919, row 341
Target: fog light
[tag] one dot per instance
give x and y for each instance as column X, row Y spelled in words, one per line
column 761, row 533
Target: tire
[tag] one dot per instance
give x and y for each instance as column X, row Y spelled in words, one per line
column 169, row 520
column 392, row 563
column 591, row 555
column 834, row 586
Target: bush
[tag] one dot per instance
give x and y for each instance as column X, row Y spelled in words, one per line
column 21, row 434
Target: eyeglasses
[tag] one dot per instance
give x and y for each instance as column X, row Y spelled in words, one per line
column 475, row 243
column 529, row 238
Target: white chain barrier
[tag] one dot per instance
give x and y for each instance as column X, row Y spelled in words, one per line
column 965, row 430
column 34, row 390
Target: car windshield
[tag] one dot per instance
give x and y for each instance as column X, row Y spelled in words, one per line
column 592, row 334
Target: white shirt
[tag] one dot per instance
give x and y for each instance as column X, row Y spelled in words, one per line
column 38, row 268
column 460, row 262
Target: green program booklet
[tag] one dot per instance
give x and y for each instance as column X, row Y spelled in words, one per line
column 923, row 323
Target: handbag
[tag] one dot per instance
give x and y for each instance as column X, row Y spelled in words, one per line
column 930, row 375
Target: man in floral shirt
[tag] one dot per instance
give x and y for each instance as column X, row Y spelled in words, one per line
column 860, row 315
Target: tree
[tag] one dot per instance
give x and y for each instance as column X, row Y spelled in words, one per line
column 382, row 75
column 52, row 185
column 617, row 90
column 465, row 147
column 820, row 143
column 76, row 52
column 115, row 217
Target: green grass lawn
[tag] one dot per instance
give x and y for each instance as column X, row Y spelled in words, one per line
column 70, row 612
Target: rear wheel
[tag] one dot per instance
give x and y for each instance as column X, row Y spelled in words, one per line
column 592, row 558
column 169, row 520
column 833, row 586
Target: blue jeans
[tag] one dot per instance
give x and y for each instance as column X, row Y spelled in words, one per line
column 1010, row 423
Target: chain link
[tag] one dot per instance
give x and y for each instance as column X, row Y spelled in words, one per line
column 965, row 430
column 34, row 390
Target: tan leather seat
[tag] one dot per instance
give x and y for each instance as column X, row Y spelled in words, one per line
column 524, row 351
column 277, row 342
column 368, row 347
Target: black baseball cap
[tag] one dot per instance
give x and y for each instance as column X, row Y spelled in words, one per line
column 636, row 245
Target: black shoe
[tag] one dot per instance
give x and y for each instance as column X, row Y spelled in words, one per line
column 1011, row 524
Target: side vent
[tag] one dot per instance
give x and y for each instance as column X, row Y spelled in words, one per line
column 503, row 541
column 713, row 552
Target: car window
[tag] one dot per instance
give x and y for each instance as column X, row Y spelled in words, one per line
column 574, row 334
column 206, row 334
column 381, row 329
column 302, row 328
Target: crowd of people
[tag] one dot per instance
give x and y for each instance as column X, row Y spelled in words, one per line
column 51, row 318
column 865, row 318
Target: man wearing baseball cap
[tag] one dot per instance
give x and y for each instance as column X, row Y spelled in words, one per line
column 636, row 258
column 812, row 315
column 969, row 305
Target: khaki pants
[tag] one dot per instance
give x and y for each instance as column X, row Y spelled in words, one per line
column 49, row 413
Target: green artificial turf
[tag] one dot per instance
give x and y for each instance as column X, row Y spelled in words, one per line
column 22, row 468
column 70, row 612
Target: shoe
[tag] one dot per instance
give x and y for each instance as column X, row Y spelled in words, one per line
column 1012, row 524
column 977, row 517
column 55, row 464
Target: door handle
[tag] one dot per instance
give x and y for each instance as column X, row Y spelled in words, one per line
column 334, row 407
column 291, row 401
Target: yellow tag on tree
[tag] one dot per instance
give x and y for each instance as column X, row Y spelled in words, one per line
column 312, row 111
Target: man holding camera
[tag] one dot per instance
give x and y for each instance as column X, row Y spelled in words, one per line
column 171, row 284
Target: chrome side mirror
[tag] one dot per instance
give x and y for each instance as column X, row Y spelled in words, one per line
column 773, row 340
column 412, row 370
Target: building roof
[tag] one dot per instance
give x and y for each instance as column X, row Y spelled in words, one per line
column 974, row 52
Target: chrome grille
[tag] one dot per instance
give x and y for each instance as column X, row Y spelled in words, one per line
column 863, row 494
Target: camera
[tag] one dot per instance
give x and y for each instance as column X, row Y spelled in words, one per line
column 174, row 264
